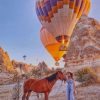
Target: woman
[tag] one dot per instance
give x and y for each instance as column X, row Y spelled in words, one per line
column 70, row 86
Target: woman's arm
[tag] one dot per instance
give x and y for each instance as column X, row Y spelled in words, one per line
column 74, row 88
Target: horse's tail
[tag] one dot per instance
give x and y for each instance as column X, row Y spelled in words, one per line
column 25, row 87
column 24, row 90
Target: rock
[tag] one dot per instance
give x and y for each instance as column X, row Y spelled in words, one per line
column 43, row 67
column 5, row 63
column 85, row 42
column 21, row 67
column 6, row 78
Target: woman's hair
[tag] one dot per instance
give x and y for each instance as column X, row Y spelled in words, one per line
column 71, row 74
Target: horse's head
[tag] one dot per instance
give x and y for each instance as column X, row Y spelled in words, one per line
column 61, row 76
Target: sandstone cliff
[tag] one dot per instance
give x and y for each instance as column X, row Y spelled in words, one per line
column 5, row 63
column 85, row 41
column 43, row 67
column 22, row 67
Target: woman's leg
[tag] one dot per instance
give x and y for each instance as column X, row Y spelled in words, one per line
column 68, row 94
column 72, row 95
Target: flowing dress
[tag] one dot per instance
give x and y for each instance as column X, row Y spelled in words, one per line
column 70, row 89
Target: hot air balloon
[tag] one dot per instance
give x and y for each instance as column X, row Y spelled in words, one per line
column 59, row 17
column 51, row 45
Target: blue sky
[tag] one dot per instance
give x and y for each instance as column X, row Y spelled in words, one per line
column 19, row 30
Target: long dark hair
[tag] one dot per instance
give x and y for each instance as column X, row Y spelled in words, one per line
column 71, row 74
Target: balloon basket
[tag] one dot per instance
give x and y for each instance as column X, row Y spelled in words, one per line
column 63, row 48
column 57, row 63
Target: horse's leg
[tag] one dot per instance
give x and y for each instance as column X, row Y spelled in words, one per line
column 24, row 96
column 38, row 95
column 46, row 95
column 28, row 94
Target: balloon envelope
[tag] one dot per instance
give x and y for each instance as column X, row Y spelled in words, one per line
column 51, row 44
column 59, row 17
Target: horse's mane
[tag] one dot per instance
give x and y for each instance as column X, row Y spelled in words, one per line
column 52, row 77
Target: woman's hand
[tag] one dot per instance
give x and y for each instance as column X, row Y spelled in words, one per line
column 75, row 92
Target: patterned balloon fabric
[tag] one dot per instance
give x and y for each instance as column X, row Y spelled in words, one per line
column 59, row 17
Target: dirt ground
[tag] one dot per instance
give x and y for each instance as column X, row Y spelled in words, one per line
column 91, row 92
column 83, row 93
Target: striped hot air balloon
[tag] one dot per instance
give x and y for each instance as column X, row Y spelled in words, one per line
column 59, row 17
column 51, row 45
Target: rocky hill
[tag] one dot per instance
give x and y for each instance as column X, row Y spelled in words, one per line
column 43, row 67
column 5, row 63
column 22, row 67
column 85, row 41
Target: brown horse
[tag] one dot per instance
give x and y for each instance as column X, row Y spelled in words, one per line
column 41, row 86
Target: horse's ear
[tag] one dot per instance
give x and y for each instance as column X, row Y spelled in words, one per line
column 59, row 71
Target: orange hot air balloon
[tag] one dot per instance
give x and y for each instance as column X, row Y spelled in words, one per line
column 51, row 44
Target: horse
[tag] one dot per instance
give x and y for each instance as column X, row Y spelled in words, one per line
column 41, row 86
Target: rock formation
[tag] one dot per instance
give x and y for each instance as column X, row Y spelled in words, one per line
column 22, row 67
column 43, row 67
column 5, row 63
column 85, row 41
